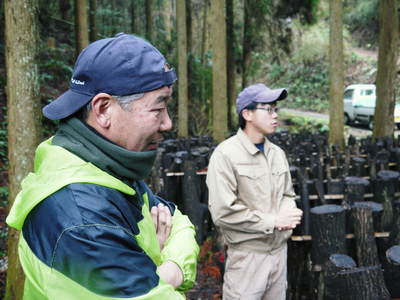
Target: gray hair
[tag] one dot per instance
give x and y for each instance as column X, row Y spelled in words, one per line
column 123, row 101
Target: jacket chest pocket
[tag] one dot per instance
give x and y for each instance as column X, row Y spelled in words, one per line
column 252, row 179
column 279, row 178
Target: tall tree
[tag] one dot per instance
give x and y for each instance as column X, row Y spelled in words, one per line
column 387, row 58
column 182, row 68
column 81, row 26
column 336, row 75
column 23, row 111
column 189, row 48
column 230, row 57
column 218, row 40
column 255, row 14
column 93, row 20
column 247, row 42
column 149, row 7
column 134, row 23
column 167, row 17
column 205, row 32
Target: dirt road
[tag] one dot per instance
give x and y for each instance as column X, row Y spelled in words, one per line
column 358, row 130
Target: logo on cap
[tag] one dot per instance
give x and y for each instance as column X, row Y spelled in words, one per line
column 76, row 81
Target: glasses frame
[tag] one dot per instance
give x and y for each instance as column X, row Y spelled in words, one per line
column 270, row 110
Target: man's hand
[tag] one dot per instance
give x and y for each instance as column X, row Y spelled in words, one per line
column 288, row 218
column 171, row 273
column 162, row 221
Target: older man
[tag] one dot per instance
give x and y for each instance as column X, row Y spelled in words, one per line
column 91, row 228
column 251, row 199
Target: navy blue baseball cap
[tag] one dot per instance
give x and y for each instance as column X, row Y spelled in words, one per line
column 119, row 66
column 259, row 93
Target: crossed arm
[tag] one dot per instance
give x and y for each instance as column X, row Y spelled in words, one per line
column 168, row 271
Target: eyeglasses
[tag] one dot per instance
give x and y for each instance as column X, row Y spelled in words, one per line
column 270, row 110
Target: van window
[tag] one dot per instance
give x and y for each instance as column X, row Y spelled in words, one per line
column 348, row 95
column 369, row 92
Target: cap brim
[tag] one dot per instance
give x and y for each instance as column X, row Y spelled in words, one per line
column 65, row 105
column 272, row 96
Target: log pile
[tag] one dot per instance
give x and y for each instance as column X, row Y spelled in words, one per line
column 350, row 200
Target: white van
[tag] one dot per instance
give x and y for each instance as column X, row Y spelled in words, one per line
column 359, row 105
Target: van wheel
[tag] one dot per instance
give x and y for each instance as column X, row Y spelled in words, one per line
column 371, row 124
column 347, row 119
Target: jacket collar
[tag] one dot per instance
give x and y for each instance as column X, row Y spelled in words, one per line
column 248, row 144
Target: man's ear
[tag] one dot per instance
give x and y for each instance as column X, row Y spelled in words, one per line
column 100, row 115
column 247, row 114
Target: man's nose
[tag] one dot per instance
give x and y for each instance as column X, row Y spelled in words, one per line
column 166, row 123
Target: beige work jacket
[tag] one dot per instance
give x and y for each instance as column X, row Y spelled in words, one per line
column 246, row 190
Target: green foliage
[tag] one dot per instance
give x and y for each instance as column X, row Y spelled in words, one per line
column 361, row 13
column 55, row 65
column 307, row 83
column 311, row 42
column 200, row 87
column 297, row 124
column 3, row 196
column 361, row 17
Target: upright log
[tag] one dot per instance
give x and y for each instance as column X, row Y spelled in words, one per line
column 393, row 255
column 396, row 157
column 386, row 180
column 355, row 189
column 196, row 211
column 358, row 166
column 390, row 265
column 362, row 283
column 328, row 232
column 367, row 253
column 384, row 190
column 377, row 211
column 333, row 282
column 305, row 201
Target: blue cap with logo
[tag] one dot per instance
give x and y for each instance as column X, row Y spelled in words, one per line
column 259, row 93
column 119, row 66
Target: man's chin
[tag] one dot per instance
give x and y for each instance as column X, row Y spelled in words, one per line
column 152, row 146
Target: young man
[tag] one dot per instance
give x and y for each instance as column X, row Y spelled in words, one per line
column 91, row 228
column 251, row 200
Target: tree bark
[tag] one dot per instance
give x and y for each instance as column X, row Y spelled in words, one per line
column 23, row 110
column 367, row 253
column 167, row 16
column 93, row 20
column 81, row 26
column 189, row 47
column 230, row 61
column 328, row 232
column 247, row 38
column 336, row 76
column 205, row 32
column 218, row 38
column 183, row 130
column 357, row 283
column 149, row 7
column 387, row 59
column 195, row 210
